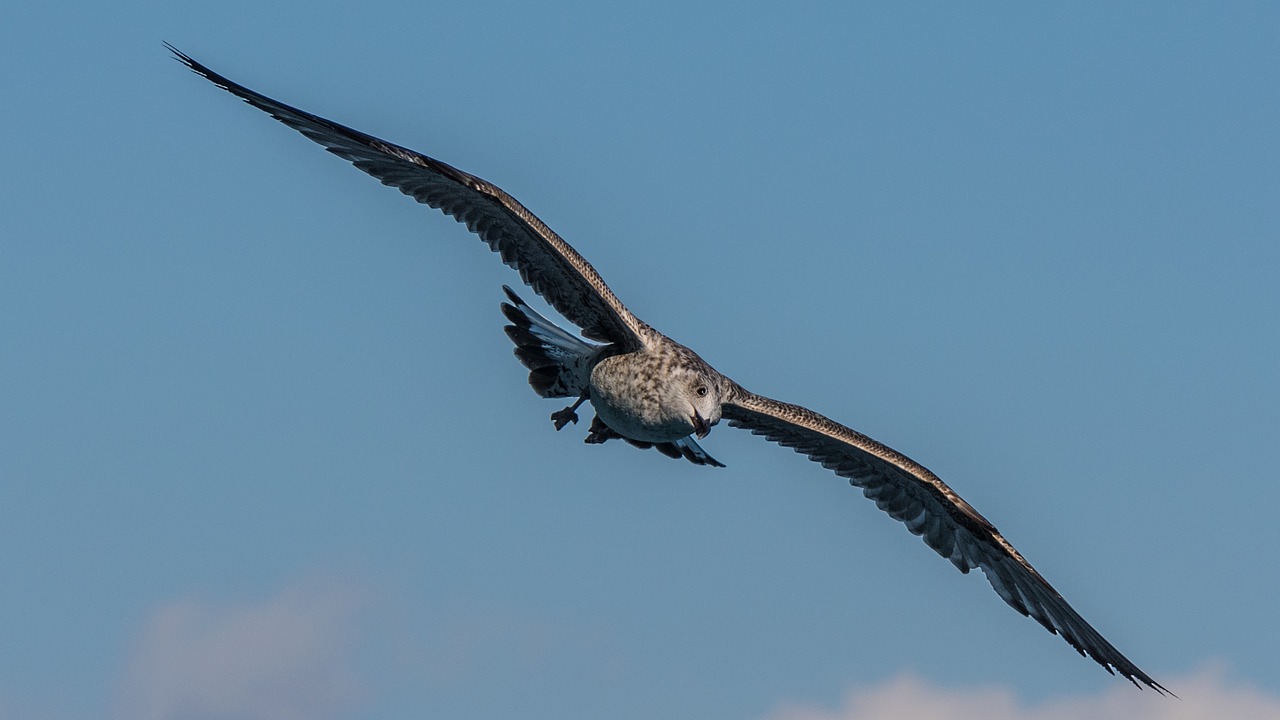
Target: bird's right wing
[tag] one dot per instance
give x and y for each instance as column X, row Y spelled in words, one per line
column 544, row 260
column 913, row 495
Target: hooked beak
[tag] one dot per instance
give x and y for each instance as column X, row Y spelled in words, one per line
column 700, row 425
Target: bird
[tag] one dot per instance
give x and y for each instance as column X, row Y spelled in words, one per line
column 652, row 392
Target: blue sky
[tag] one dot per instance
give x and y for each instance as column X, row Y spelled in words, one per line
column 265, row 452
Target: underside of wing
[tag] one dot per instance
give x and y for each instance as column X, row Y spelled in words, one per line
column 544, row 260
column 685, row 447
column 913, row 495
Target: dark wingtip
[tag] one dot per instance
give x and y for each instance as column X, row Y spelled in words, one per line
column 1160, row 689
column 187, row 60
column 696, row 459
column 515, row 316
column 1133, row 674
column 256, row 99
column 512, row 296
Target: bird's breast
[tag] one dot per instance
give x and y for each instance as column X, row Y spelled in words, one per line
column 629, row 394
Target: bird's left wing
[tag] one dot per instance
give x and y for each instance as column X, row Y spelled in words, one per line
column 544, row 260
column 913, row 495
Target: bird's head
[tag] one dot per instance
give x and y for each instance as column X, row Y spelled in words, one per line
column 701, row 392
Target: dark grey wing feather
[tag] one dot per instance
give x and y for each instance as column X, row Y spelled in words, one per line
column 913, row 495
column 544, row 260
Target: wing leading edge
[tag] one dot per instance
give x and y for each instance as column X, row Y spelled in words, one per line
column 914, row 496
column 544, row 260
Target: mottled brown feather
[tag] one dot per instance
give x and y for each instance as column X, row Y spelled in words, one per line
column 911, row 494
column 544, row 260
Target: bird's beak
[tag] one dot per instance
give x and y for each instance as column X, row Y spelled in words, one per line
column 700, row 425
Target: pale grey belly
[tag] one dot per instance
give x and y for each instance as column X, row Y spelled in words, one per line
column 630, row 423
column 627, row 397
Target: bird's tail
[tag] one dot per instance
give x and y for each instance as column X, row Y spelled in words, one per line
column 557, row 360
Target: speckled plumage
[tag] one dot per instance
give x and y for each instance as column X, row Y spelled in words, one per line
column 654, row 392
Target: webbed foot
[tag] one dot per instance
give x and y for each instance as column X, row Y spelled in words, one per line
column 567, row 415
column 564, row 417
column 600, row 432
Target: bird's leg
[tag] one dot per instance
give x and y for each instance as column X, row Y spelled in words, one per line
column 600, row 432
column 567, row 415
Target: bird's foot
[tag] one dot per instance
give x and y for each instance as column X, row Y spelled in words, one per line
column 600, row 432
column 564, row 417
column 568, row 415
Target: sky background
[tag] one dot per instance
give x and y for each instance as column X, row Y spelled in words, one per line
column 265, row 451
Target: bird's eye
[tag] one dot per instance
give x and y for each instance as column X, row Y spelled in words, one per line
column 702, row 391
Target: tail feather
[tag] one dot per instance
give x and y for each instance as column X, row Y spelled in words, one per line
column 541, row 327
column 555, row 358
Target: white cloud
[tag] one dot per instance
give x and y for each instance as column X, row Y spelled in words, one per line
column 1205, row 695
column 282, row 658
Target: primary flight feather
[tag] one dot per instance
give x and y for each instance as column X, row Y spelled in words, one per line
column 651, row 391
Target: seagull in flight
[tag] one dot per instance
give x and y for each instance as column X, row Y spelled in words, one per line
column 650, row 391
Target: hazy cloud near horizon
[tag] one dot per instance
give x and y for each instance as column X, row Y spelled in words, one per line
column 292, row 655
column 287, row 657
column 1206, row 694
